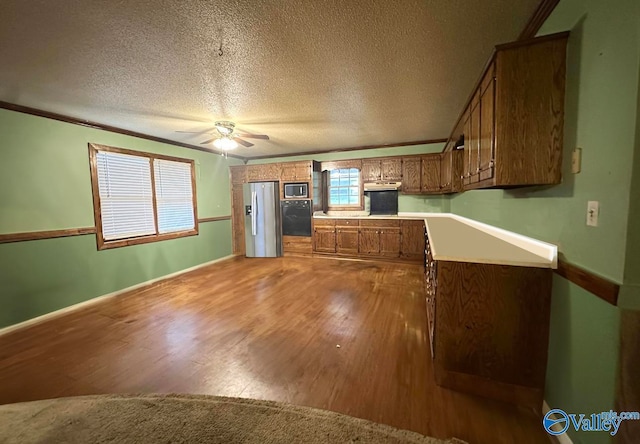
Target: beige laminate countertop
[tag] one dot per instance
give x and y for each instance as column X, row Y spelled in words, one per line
column 455, row 240
column 458, row 239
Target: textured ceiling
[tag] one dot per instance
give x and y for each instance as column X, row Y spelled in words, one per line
column 312, row 74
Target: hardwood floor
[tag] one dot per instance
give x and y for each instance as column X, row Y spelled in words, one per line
column 268, row 329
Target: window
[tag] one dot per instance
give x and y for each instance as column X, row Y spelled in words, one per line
column 141, row 197
column 344, row 187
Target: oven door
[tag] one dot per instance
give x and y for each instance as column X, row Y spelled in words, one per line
column 296, row 218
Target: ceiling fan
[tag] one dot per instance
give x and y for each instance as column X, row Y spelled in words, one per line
column 227, row 138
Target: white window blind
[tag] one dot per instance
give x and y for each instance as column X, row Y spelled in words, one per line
column 174, row 196
column 126, row 199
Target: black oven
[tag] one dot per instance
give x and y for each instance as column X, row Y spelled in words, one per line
column 296, row 217
column 383, row 202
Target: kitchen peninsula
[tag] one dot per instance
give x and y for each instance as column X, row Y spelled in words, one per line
column 487, row 293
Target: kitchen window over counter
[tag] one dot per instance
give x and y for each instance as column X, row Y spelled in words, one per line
column 141, row 197
column 344, row 188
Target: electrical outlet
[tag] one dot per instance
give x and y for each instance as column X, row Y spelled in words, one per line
column 576, row 160
column 593, row 208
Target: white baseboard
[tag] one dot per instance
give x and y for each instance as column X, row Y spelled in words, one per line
column 98, row 299
column 560, row 439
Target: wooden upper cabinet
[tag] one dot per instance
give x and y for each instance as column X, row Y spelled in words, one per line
column 430, row 173
column 296, row 171
column 391, row 169
column 513, row 125
column 371, row 170
column 451, row 171
column 387, row 169
column 411, row 175
column 263, row 172
column 486, row 143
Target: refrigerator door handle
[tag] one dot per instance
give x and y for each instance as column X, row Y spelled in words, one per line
column 254, row 213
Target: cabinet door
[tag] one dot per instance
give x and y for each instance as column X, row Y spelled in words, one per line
column 303, row 171
column 270, row 171
column 411, row 171
column 371, row 170
column 324, row 239
column 446, row 172
column 390, row 242
column 457, row 170
column 288, row 172
column 467, row 148
column 431, row 173
column 347, row 240
column 369, row 242
column 237, row 216
column 254, row 173
column 412, row 239
column 391, row 169
column 474, row 142
column 487, row 121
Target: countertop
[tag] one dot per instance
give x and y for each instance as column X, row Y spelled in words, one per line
column 459, row 239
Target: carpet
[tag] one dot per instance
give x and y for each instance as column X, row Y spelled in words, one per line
column 187, row 418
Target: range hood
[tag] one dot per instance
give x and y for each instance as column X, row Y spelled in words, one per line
column 382, row 186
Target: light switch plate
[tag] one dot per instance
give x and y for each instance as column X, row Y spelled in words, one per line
column 593, row 209
column 576, row 160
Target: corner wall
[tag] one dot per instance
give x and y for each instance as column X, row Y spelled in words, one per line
column 45, row 185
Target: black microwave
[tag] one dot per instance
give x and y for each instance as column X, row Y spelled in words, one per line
column 294, row 190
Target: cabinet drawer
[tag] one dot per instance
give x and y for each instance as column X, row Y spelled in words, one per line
column 295, row 247
column 379, row 223
column 347, row 222
column 301, row 240
column 324, row 222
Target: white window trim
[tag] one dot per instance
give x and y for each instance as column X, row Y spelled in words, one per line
column 359, row 205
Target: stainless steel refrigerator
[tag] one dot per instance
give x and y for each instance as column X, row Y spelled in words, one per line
column 262, row 228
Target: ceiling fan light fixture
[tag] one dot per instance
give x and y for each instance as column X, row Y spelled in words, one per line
column 225, row 127
column 225, row 143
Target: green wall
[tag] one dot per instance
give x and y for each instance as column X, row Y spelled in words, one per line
column 45, row 185
column 601, row 110
column 406, row 203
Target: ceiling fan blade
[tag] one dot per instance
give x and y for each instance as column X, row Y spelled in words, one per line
column 194, row 132
column 243, row 142
column 208, row 141
column 252, row 136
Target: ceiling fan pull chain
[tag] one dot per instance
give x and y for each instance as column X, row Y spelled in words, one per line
column 220, row 52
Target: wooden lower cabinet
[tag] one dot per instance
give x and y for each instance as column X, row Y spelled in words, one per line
column 412, row 239
column 381, row 238
column 346, row 239
column 296, row 245
column 369, row 241
column 390, row 242
column 489, row 328
column 324, row 236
